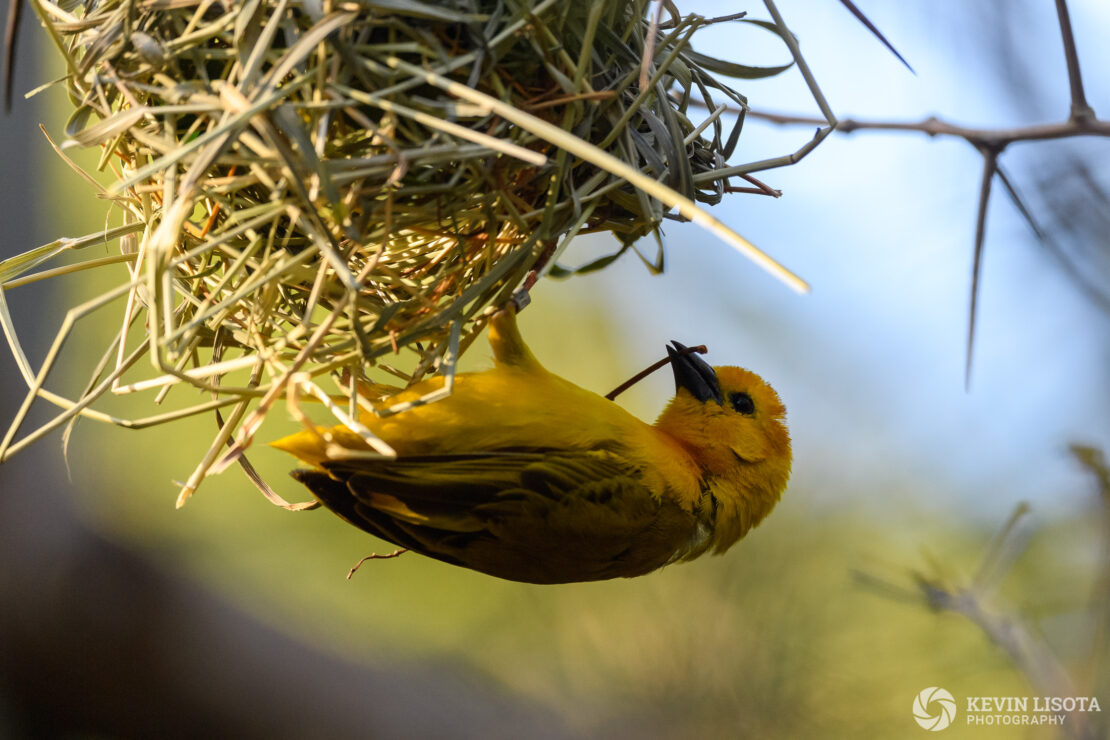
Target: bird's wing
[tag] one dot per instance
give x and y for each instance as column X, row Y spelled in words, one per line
column 540, row 516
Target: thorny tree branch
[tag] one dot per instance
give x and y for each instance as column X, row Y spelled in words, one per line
column 990, row 143
column 983, row 140
column 933, row 126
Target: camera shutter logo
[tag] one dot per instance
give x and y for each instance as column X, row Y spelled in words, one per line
column 934, row 708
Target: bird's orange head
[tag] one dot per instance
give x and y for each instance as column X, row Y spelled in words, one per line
column 733, row 425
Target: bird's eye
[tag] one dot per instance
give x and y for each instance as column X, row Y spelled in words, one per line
column 743, row 403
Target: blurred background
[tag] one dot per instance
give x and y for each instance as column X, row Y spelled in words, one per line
column 123, row 617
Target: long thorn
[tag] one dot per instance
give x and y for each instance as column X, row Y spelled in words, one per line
column 1080, row 109
column 990, row 165
column 877, row 33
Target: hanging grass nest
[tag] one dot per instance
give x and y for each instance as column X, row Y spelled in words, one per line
column 309, row 190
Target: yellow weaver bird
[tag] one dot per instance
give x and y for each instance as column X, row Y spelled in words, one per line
column 523, row 475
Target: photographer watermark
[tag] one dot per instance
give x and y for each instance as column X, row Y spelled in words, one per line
column 1026, row 710
column 935, row 709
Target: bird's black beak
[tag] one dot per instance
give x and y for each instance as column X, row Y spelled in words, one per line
column 694, row 374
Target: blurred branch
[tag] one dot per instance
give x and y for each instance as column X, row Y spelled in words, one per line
column 1026, row 648
column 1003, row 551
column 1094, row 461
column 1077, row 275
